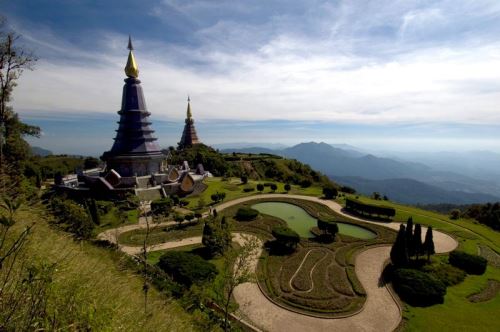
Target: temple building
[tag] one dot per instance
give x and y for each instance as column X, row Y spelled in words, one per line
column 189, row 137
column 135, row 163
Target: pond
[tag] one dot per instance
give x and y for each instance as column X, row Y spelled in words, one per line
column 300, row 221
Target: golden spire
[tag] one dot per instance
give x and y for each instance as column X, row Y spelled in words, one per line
column 189, row 115
column 131, row 69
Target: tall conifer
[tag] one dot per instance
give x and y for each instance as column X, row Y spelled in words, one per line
column 429, row 243
column 399, row 251
column 417, row 240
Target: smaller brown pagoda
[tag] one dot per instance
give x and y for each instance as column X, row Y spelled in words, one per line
column 189, row 137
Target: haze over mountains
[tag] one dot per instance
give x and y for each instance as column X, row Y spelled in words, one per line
column 458, row 178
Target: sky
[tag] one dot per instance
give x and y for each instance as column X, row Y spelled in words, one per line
column 383, row 74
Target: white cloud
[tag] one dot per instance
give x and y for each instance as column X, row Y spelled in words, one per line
column 245, row 71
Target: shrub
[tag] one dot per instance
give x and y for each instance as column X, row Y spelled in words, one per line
column 244, row 179
column 446, row 273
column 418, row 288
column 286, row 237
column 162, row 206
column 305, row 183
column 246, row 214
column 248, row 189
column 260, row 187
column 273, row 187
column 347, row 190
column 187, row 268
column 455, row 214
column 472, row 264
column 287, row 187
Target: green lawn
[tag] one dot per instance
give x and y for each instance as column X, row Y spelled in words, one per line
column 456, row 313
column 469, row 233
column 234, row 189
column 113, row 219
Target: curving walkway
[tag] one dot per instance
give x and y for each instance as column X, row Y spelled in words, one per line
column 381, row 311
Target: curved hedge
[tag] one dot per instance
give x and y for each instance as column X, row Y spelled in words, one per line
column 370, row 209
column 246, row 214
column 418, row 288
column 187, row 268
column 472, row 264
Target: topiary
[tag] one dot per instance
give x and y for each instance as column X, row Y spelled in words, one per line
column 246, row 214
column 472, row 264
column 186, row 268
column 418, row 288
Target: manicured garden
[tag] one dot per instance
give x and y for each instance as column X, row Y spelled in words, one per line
column 311, row 277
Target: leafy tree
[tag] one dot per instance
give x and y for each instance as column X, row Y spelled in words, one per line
column 376, row 196
column 13, row 61
column 328, row 227
column 417, row 241
column 454, row 214
column 330, row 192
column 237, row 269
column 287, row 187
column 260, row 187
column 286, row 238
column 90, row 162
column 216, row 236
column 162, row 207
column 244, row 179
column 399, row 251
column 428, row 246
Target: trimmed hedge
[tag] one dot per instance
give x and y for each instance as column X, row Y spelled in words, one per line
column 418, row 288
column 246, row 214
column 187, row 268
column 364, row 208
column 472, row 264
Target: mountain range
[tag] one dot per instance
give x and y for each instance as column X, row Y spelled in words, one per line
column 404, row 181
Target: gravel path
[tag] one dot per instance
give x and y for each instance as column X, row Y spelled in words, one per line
column 380, row 312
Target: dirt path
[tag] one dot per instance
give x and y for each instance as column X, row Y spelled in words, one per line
column 380, row 312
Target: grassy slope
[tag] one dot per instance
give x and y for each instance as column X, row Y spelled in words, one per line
column 469, row 232
column 456, row 313
column 101, row 285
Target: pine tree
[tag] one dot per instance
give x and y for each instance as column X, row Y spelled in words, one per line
column 417, row 240
column 409, row 237
column 429, row 244
column 399, row 250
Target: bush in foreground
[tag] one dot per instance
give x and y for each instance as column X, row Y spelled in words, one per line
column 186, row 268
column 472, row 264
column 418, row 288
column 246, row 214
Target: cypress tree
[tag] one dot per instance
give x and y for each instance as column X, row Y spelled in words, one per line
column 409, row 237
column 429, row 244
column 399, row 251
column 417, row 240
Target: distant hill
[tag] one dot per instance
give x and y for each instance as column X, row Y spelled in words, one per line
column 440, row 186
column 38, row 151
column 410, row 191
